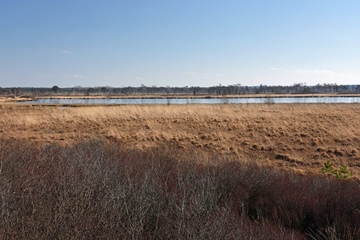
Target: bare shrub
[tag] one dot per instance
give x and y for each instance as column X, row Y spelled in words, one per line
column 269, row 101
column 100, row 190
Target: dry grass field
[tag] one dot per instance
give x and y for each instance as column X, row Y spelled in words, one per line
column 179, row 171
column 299, row 137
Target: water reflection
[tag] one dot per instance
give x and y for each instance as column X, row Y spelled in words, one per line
column 198, row 100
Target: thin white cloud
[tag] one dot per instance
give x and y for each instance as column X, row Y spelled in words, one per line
column 206, row 76
column 140, row 78
column 77, row 76
column 305, row 71
column 66, row 52
column 278, row 69
column 318, row 72
column 189, row 73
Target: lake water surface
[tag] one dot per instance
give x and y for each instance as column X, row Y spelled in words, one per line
column 121, row 101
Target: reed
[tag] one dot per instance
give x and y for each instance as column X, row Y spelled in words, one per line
column 299, row 137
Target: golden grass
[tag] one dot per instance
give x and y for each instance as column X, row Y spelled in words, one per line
column 293, row 136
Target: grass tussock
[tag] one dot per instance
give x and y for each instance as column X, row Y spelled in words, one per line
column 299, row 137
column 100, row 189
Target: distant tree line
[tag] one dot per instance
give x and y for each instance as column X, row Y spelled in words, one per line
column 237, row 89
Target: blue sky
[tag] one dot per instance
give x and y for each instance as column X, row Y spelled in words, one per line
column 178, row 43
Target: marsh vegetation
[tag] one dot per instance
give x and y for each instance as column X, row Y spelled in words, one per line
column 103, row 190
column 300, row 137
column 180, row 172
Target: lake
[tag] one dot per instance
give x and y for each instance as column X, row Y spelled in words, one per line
column 127, row 101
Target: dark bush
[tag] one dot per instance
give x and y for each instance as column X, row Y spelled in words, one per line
column 99, row 190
